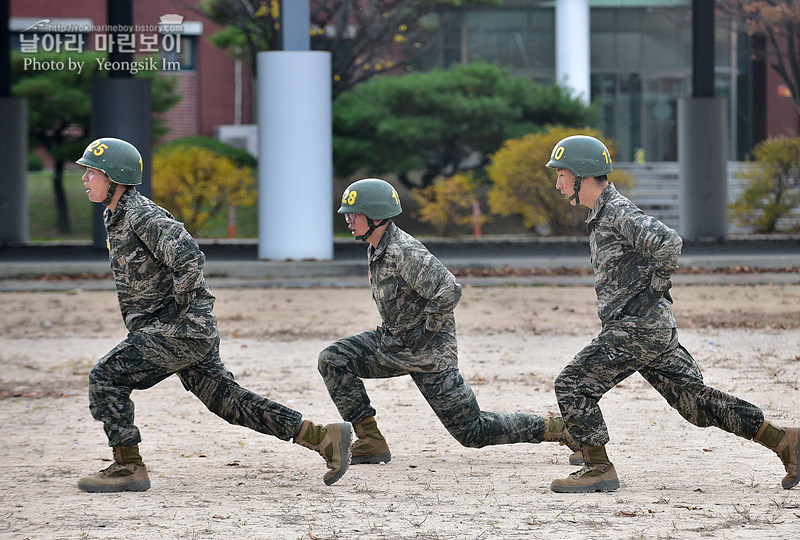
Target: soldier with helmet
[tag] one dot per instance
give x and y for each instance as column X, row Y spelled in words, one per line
column 168, row 311
column 634, row 256
column 415, row 295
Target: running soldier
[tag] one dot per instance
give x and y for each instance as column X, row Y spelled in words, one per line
column 415, row 295
column 168, row 311
column 634, row 256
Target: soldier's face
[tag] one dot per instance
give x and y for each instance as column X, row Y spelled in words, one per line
column 357, row 223
column 96, row 184
column 565, row 183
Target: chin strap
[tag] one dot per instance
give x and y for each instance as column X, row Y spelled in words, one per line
column 575, row 196
column 372, row 226
column 112, row 187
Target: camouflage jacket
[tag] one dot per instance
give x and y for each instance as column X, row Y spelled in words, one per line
column 410, row 286
column 155, row 261
column 630, row 250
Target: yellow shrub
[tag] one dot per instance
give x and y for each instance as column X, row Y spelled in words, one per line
column 194, row 184
column 447, row 204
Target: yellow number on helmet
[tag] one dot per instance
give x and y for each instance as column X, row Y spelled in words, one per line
column 395, row 197
column 99, row 149
column 558, row 153
column 351, row 199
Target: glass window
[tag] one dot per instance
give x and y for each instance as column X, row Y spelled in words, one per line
column 178, row 52
column 523, row 39
column 667, row 35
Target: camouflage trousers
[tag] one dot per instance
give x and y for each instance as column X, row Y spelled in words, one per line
column 344, row 364
column 143, row 360
column 663, row 362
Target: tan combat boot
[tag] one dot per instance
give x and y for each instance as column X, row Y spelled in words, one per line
column 786, row 443
column 333, row 444
column 556, row 431
column 597, row 474
column 127, row 473
column 370, row 447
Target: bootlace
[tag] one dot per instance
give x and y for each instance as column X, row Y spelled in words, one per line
column 111, row 468
column 581, row 471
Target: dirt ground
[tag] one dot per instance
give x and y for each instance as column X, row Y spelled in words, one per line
column 217, row 481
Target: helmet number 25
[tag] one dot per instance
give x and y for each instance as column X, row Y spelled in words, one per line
column 99, row 149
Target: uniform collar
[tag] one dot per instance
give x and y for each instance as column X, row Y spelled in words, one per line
column 111, row 217
column 607, row 193
column 378, row 251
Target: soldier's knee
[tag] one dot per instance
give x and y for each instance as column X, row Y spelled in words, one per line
column 561, row 385
column 325, row 359
column 466, row 438
column 98, row 373
column 468, row 443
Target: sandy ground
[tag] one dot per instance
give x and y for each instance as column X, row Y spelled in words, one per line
column 217, row 481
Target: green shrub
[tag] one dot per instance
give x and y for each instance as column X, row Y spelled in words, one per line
column 773, row 187
column 240, row 157
column 35, row 163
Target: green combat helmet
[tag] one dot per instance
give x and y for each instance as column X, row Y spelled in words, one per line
column 373, row 197
column 583, row 156
column 118, row 159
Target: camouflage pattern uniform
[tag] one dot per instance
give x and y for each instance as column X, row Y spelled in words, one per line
column 413, row 291
column 630, row 251
column 168, row 311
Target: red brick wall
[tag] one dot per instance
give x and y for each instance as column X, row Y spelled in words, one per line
column 182, row 118
column 782, row 116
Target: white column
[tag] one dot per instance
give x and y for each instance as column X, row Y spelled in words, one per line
column 295, row 155
column 573, row 65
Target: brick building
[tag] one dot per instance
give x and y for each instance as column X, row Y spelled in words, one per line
column 215, row 89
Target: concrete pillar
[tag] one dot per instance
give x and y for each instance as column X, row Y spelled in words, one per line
column 14, row 167
column 573, row 62
column 295, row 25
column 703, row 166
column 295, row 155
column 121, row 108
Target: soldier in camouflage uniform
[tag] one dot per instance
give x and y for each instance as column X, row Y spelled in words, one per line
column 168, row 311
column 633, row 256
column 415, row 295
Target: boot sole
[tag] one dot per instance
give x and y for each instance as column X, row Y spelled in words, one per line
column 142, row 485
column 796, row 479
column 601, row 485
column 344, row 451
column 372, row 460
